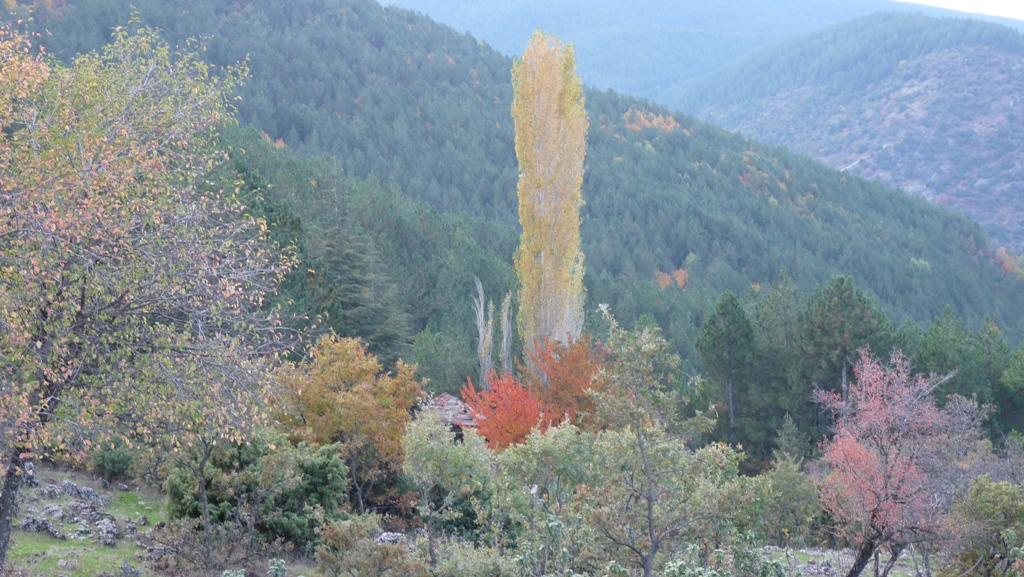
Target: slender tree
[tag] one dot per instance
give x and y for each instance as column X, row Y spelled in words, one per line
column 658, row 493
column 839, row 320
column 506, row 333
column 485, row 332
column 1010, row 392
column 442, row 471
column 551, row 130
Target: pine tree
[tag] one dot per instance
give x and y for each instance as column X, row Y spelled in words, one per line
column 551, row 129
column 726, row 347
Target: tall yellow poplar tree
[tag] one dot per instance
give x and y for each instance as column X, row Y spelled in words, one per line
column 551, row 132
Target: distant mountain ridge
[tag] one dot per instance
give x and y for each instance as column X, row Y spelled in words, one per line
column 656, row 48
column 933, row 107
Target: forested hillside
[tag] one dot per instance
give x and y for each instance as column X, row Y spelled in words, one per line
column 664, row 193
column 930, row 106
column 650, row 48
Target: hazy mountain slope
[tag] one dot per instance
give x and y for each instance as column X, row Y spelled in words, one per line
column 934, row 107
column 652, row 48
column 394, row 96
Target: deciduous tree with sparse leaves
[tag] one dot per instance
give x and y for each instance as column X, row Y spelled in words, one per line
column 887, row 435
column 122, row 283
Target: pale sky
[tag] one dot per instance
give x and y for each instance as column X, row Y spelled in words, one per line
column 1006, row 8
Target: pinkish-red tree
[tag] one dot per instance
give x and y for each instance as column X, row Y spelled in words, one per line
column 883, row 458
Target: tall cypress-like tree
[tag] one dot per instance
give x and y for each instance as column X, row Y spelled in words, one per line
column 551, row 131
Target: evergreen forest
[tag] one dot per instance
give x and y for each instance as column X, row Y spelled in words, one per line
column 925, row 105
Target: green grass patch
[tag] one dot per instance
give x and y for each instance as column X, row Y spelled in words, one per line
column 130, row 504
column 37, row 554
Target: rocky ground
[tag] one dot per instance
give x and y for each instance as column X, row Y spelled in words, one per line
column 75, row 524
column 72, row 511
column 72, row 524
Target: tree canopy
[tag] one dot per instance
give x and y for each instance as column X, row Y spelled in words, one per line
column 122, row 283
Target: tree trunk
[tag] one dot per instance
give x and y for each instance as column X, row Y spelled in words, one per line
column 846, row 385
column 12, row 480
column 206, row 505
column 358, row 487
column 431, row 544
column 892, row 561
column 649, row 565
column 732, row 412
column 862, row 559
column 650, row 498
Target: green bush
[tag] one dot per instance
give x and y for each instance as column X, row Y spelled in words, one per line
column 793, row 515
column 742, row 559
column 460, row 558
column 350, row 548
column 990, row 520
column 286, row 490
column 276, row 568
column 113, row 460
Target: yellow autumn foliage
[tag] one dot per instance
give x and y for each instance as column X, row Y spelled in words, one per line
column 341, row 394
column 551, row 130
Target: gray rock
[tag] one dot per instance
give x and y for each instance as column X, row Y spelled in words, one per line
column 54, row 511
column 51, row 492
column 70, row 489
column 29, row 475
column 86, row 510
column 128, row 571
column 390, row 538
column 107, row 532
column 91, row 494
column 82, row 531
column 37, row 525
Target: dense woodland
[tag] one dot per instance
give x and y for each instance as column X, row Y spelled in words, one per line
column 251, row 313
column 891, row 97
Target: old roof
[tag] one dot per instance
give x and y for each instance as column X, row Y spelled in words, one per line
column 452, row 411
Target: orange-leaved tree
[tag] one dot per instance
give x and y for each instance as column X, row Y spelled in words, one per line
column 118, row 273
column 340, row 395
column 505, row 414
column 551, row 132
column 568, row 374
